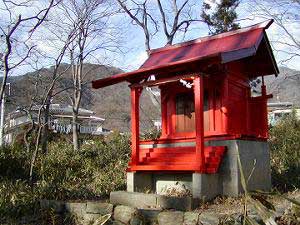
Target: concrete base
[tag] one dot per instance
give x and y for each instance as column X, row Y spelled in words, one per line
column 206, row 186
column 255, row 161
column 139, row 182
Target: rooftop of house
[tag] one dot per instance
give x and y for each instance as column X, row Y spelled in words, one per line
column 280, row 104
column 60, row 110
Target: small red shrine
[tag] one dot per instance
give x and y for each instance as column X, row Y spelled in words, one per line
column 207, row 111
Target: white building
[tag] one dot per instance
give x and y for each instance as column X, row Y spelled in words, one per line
column 280, row 110
column 60, row 121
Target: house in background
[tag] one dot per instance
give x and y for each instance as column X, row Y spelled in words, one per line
column 60, row 121
column 280, row 110
column 157, row 124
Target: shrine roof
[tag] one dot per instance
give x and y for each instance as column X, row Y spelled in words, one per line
column 222, row 48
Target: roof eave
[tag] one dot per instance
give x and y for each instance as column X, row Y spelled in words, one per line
column 149, row 71
column 274, row 63
column 237, row 54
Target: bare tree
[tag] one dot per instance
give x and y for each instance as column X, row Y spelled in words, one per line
column 11, row 30
column 28, row 113
column 166, row 17
column 93, row 36
column 145, row 15
column 42, row 133
column 55, row 76
column 286, row 15
column 176, row 24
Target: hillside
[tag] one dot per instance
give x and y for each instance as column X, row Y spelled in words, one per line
column 111, row 103
column 285, row 87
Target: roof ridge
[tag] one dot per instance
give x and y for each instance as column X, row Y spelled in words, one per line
column 263, row 25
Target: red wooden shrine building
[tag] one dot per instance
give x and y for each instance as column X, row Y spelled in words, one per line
column 205, row 96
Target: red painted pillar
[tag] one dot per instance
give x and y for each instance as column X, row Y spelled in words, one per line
column 225, row 104
column 135, row 131
column 199, row 122
column 164, row 116
column 265, row 109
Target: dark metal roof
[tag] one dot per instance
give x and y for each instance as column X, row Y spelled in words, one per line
column 222, row 48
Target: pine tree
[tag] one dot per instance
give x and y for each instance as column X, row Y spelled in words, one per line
column 220, row 18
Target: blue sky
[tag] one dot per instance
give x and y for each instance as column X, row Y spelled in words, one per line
column 131, row 38
column 135, row 39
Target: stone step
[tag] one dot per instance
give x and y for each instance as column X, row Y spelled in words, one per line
column 151, row 201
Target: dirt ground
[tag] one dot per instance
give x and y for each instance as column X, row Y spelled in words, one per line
column 231, row 205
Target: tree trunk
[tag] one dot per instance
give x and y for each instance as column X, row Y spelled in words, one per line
column 27, row 133
column 37, row 143
column 75, row 131
column 34, row 154
column 45, row 130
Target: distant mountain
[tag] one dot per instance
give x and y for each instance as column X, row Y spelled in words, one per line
column 285, row 87
column 111, row 103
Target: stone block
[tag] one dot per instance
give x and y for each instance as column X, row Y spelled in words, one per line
column 130, row 181
column 249, row 151
column 137, row 220
column 57, row 206
column 150, row 215
column 116, row 223
column 140, row 182
column 191, row 218
column 77, row 209
column 90, row 218
column 177, row 203
column 134, row 199
column 102, row 208
column 208, row 218
column 257, row 151
column 170, row 218
column 124, row 213
column 166, row 181
column 230, row 184
column 206, row 186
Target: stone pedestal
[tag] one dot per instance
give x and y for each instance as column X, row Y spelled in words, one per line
column 255, row 160
column 206, row 186
column 140, row 182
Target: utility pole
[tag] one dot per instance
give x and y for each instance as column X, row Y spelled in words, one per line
column 2, row 115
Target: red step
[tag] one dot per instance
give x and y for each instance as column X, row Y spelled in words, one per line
column 170, row 155
column 213, row 160
column 168, row 163
column 171, row 159
column 181, row 156
column 173, row 149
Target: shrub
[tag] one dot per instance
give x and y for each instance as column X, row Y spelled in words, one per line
column 14, row 162
column 151, row 134
column 63, row 174
column 93, row 172
column 285, row 153
column 17, row 199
